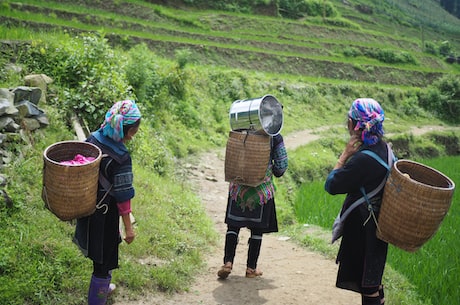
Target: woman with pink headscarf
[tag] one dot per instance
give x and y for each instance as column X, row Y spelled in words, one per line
column 98, row 235
column 361, row 172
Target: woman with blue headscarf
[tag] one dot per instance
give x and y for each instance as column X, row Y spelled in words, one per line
column 98, row 235
column 360, row 173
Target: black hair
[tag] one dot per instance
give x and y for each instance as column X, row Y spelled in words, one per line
column 353, row 123
column 126, row 128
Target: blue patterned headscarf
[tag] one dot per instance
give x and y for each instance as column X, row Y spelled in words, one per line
column 121, row 114
column 369, row 116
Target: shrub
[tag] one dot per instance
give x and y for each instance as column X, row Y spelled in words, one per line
column 299, row 8
column 431, row 48
column 450, row 141
column 351, row 52
column 90, row 73
column 141, row 72
column 443, row 98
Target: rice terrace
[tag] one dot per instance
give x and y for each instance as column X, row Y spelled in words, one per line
column 185, row 62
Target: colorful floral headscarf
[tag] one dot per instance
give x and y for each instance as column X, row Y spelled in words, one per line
column 121, row 114
column 369, row 116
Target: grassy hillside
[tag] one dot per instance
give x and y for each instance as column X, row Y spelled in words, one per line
column 192, row 64
column 382, row 45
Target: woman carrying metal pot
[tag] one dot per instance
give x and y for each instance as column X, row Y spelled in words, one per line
column 98, row 235
column 252, row 205
column 253, row 208
column 361, row 172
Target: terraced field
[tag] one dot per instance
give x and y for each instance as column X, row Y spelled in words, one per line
column 255, row 43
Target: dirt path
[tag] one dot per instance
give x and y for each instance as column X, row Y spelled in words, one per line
column 292, row 275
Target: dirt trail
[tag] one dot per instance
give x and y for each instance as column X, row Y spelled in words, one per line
column 292, row 275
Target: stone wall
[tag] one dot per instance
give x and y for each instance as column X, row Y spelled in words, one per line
column 20, row 114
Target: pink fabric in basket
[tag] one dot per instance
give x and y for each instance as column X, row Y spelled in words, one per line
column 78, row 160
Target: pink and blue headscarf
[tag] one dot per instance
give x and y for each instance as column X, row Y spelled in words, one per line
column 121, row 114
column 369, row 116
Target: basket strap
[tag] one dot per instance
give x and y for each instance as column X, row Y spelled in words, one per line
column 365, row 197
column 376, row 157
column 388, row 166
column 107, row 187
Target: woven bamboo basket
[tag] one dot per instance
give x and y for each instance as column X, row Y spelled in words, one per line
column 415, row 201
column 246, row 157
column 70, row 191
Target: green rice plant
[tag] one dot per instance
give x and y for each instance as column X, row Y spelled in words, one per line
column 315, row 206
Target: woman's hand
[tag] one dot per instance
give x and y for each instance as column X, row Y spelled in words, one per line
column 130, row 235
column 352, row 146
column 129, row 231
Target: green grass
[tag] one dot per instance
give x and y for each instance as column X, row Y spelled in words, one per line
column 433, row 270
column 39, row 264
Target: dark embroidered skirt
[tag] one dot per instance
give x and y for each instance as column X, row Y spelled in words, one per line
column 98, row 236
column 261, row 217
column 362, row 256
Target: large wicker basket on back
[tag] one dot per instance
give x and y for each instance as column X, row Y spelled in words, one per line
column 246, row 157
column 415, row 201
column 70, row 191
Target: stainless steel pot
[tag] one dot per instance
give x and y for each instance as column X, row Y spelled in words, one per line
column 258, row 114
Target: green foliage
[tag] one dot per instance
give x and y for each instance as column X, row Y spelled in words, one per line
column 410, row 106
column 90, row 72
column 351, row 52
column 183, row 57
column 450, row 142
column 390, row 56
column 175, row 230
column 443, row 98
column 242, row 6
column 142, row 74
column 445, row 48
column 306, row 8
column 310, row 163
column 155, row 154
column 430, row 47
column 383, row 55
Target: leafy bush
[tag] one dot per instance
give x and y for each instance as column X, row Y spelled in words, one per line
column 300, row 8
column 351, row 52
column 390, row 56
column 443, row 98
column 242, row 6
column 141, row 73
column 445, row 48
column 431, row 48
column 450, row 142
column 89, row 71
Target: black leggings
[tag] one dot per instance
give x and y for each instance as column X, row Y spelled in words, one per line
column 100, row 270
column 254, row 242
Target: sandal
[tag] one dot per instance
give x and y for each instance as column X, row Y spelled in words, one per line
column 225, row 270
column 252, row 273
